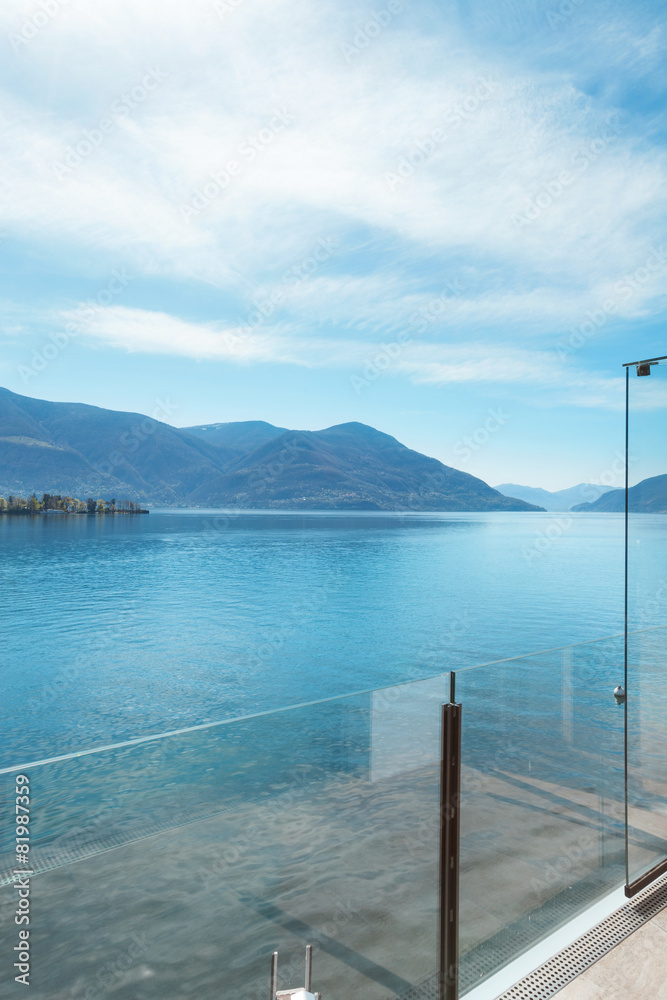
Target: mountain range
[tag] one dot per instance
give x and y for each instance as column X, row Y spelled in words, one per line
column 647, row 497
column 74, row 449
column 559, row 500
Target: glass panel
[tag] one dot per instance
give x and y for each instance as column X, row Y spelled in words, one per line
column 647, row 608
column 173, row 868
column 542, row 833
column 647, row 752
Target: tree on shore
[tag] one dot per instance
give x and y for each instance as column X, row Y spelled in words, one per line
column 68, row 505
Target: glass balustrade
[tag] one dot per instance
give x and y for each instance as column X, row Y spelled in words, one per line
column 646, row 787
column 173, row 866
column 542, row 812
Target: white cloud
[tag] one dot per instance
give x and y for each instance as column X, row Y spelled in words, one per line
column 438, row 364
column 137, row 330
column 530, row 200
column 332, row 162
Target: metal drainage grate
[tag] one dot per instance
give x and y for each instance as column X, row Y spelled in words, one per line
column 493, row 954
column 46, row 859
column 515, row 938
column 560, row 970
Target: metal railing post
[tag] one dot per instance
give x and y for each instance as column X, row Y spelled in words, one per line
column 274, row 975
column 277, row 994
column 309, row 967
column 450, row 835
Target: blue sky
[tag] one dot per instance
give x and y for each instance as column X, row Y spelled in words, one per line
column 446, row 220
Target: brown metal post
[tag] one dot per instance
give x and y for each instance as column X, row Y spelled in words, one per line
column 274, row 975
column 450, row 834
column 309, row 967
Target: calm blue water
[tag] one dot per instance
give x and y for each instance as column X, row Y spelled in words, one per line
column 119, row 627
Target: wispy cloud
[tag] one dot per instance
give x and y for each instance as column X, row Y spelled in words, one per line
column 437, row 364
column 329, row 161
column 137, row 330
column 489, row 189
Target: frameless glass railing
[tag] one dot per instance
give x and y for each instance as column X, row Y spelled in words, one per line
column 646, row 593
column 646, row 757
column 542, row 817
column 173, row 866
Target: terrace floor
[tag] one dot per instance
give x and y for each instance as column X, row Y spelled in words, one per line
column 622, row 955
column 636, row 969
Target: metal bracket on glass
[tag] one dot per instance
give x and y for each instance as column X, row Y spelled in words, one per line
column 302, row 992
column 644, row 367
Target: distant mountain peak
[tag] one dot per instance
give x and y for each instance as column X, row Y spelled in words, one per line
column 559, row 500
column 647, row 497
column 356, row 426
column 360, row 431
column 247, row 424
